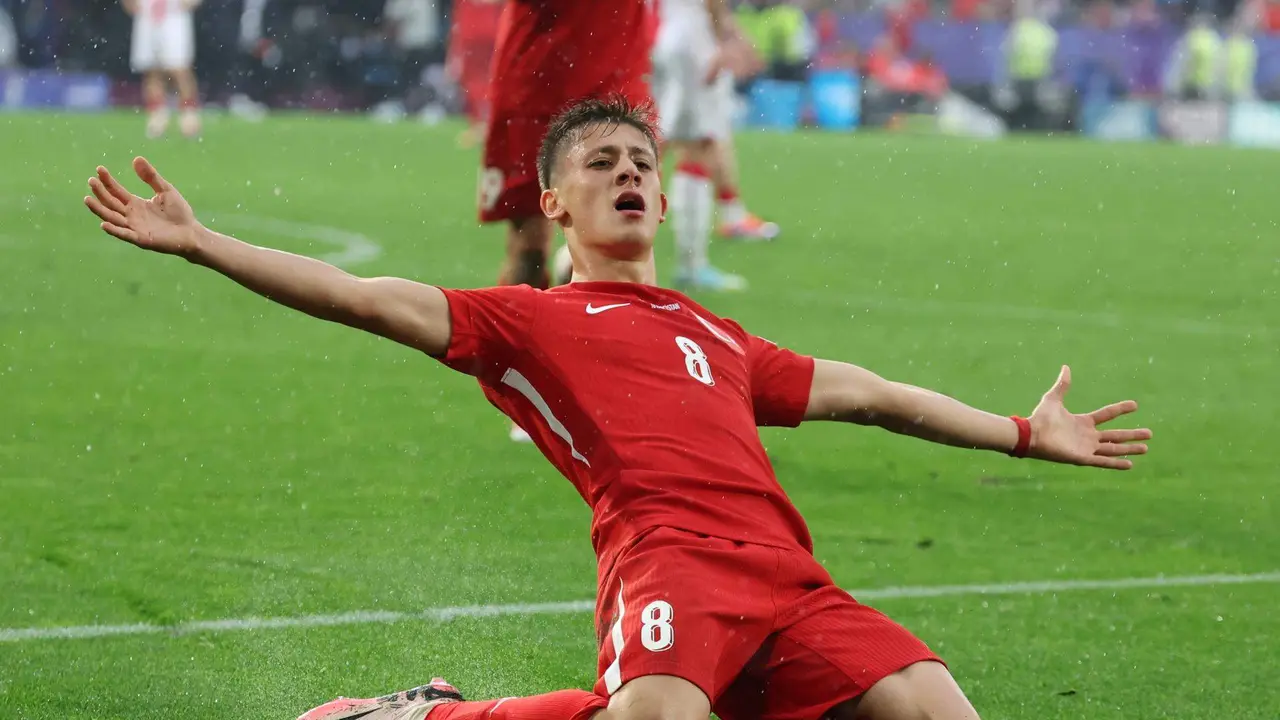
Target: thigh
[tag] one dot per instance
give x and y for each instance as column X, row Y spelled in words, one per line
column 673, row 97
column 687, row 606
column 659, row 696
column 822, row 662
column 509, row 186
column 828, row 650
column 922, row 690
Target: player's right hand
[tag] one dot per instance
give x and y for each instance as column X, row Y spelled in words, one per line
column 736, row 56
column 165, row 223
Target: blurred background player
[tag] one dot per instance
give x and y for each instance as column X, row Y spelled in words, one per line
column 472, row 37
column 162, row 48
column 696, row 50
column 550, row 53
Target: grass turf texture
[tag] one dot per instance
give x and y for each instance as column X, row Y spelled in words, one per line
column 175, row 448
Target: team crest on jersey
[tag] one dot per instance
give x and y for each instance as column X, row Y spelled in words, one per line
column 722, row 335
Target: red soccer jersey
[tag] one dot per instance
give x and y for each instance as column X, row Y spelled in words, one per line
column 552, row 52
column 644, row 400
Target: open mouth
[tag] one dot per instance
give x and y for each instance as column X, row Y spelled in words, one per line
column 629, row 202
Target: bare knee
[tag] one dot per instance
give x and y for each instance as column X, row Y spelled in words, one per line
column 923, row 691
column 657, row 697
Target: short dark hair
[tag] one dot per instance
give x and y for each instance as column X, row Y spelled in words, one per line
column 612, row 110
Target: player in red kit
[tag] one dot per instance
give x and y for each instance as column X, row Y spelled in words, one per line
column 710, row 598
column 472, row 38
column 550, row 54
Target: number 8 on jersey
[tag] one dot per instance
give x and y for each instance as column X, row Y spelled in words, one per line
column 695, row 361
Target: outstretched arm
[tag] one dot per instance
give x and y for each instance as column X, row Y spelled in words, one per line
column 849, row 393
column 407, row 312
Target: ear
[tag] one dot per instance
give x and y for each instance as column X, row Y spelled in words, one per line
column 663, row 216
column 551, row 206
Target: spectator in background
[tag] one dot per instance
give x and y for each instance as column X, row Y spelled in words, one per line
column 1270, row 16
column 900, row 17
column 1194, row 69
column 254, row 54
column 414, row 29
column 780, row 32
column 833, row 50
column 1030, row 45
column 1241, row 58
column 8, row 40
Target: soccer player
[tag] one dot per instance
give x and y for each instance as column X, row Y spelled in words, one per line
column 709, row 594
column 692, row 55
column 163, row 47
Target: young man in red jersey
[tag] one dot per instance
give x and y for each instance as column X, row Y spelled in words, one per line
column 709, row 594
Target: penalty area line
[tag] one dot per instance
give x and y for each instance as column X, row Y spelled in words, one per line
column 445, row 614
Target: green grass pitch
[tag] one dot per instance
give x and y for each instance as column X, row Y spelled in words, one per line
column 176, row 449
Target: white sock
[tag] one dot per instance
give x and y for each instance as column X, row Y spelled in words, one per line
column 732, row 211
column 692, row 203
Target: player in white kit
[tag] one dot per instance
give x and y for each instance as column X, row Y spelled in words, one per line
column 163, row 47
column 697, row 48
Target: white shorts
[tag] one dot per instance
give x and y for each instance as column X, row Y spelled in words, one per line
column 690, row 108
column 165, row 44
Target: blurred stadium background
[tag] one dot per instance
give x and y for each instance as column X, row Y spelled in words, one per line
column 211, row 507
column 1199, row 71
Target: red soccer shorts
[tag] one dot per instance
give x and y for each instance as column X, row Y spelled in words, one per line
column 763, row 631
column 509, row 186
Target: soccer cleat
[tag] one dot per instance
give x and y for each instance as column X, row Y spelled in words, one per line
column 519, row 435
column 709, row 278
column 750, row 228
column 412, row 704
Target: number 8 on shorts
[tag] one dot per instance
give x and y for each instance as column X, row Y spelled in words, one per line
column 656, row 633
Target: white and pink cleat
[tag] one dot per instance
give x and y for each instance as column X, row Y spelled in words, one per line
column 412, row 704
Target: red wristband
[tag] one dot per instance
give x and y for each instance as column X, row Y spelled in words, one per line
column 1024, row 437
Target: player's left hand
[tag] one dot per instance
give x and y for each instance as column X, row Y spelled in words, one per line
column 1060, row 436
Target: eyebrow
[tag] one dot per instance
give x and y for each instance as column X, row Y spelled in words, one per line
column 631, row 150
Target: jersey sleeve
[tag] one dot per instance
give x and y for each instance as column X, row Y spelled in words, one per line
column 487, row 327
column 780, row 383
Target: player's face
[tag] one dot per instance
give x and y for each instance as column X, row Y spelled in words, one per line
column 607, row 190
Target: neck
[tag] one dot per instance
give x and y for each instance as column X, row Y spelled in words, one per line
column 596, row 267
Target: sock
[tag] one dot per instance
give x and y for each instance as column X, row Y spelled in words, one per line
column 692, row 199
column 189, row 104
column 561, row 705
column 732, row 211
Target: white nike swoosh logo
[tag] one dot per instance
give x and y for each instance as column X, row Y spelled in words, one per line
column 592, row 310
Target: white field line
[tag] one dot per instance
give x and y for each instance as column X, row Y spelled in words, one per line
column 445, row 614
column 1145, row 325
column 353, row 247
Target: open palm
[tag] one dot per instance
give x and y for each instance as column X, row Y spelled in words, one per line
column 1059, row 435
column 165, row 223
